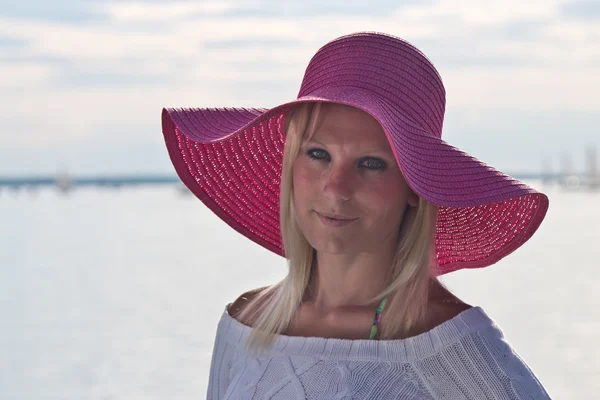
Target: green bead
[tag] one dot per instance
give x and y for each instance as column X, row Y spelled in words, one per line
column 373, row 332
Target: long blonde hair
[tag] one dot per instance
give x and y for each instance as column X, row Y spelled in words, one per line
column 410, row 274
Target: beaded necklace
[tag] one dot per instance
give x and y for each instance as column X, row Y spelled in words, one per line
column 377, row 319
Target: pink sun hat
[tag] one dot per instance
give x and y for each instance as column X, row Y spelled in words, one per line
column 231, row 158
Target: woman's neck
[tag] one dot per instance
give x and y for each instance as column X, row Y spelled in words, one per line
column 341, row 281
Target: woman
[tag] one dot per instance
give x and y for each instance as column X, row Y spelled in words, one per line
column 353, row 184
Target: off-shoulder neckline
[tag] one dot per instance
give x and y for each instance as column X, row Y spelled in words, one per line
column 415, row 347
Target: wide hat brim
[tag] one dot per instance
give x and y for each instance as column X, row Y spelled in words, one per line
column 231, row 158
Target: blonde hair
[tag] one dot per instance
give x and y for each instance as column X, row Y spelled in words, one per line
column 410, row 273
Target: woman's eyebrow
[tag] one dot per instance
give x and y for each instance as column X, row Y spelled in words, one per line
column 370, row 152
column 313, row 140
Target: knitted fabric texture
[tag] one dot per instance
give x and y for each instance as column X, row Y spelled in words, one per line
column 466, row 357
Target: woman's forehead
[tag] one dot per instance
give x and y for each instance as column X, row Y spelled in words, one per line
column 344, row 124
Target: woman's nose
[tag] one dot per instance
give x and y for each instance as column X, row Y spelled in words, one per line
column 339, row 184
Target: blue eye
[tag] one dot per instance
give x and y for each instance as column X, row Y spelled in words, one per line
column 370, row 163
column 318, row 154
column 373, row 163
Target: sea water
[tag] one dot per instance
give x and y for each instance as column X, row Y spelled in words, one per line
column 116, row 293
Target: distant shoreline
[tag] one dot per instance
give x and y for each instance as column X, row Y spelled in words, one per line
column 67, row 182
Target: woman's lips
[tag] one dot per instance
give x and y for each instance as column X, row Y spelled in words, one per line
column 334, row 220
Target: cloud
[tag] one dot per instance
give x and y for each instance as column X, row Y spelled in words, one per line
column 80, row 80
column 22, row 75
column 64, row 11
column 140, row 11
column 480, row 14
column 586, row 10
column 112, row 66
column 204, row 41
column 8, row 43
column 189, row 10
column 519, row 88
column 579, row 33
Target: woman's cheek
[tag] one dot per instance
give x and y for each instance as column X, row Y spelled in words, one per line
column 305, row 173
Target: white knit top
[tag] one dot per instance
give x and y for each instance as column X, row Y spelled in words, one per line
column 465, row 357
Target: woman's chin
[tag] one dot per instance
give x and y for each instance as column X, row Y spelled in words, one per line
column 335, row 247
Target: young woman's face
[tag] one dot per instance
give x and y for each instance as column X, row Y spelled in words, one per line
column 349, row 194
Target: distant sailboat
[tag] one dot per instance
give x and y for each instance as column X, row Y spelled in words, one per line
column 592, row 167
column 568, row 180
column 183, row 190
column 546, row 172
column 590, row 180
column 63, row 182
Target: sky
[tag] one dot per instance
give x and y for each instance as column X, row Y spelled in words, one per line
column 82, row 83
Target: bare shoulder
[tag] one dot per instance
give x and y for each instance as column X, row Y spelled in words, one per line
column 239, row 308
column 442, row 311
column 443, row 305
